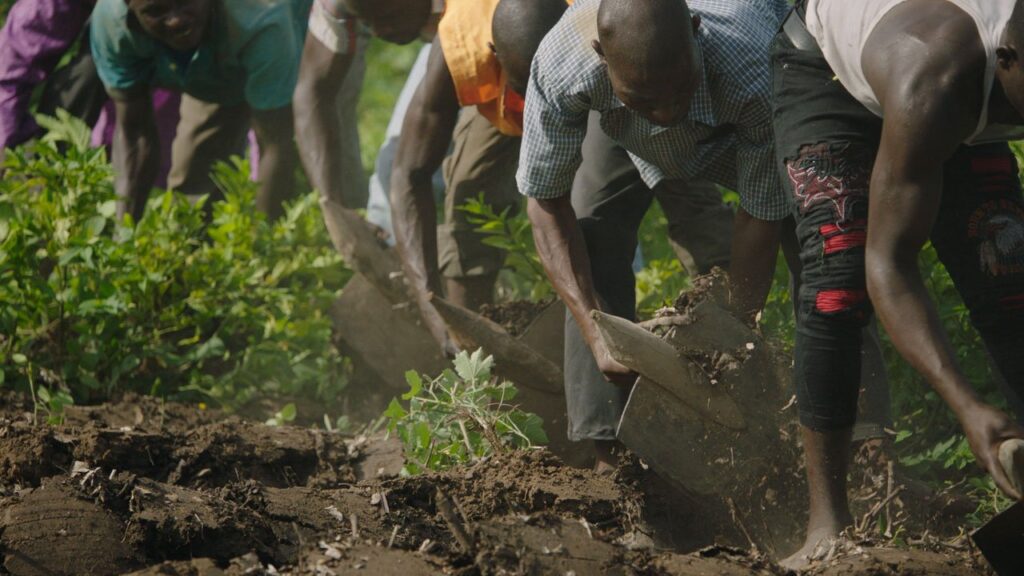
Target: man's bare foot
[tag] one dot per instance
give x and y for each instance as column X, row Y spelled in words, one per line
column 606, row 460
column 817, row 544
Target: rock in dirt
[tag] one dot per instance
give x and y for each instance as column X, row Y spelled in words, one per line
column 54, row 531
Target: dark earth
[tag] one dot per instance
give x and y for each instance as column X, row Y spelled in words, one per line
column 145, row 487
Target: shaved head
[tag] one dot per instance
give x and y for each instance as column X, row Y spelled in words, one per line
column 653, row 59
column 518, row 28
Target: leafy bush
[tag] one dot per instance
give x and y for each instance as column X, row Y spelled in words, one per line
column 460, row 416
column 513, row 234
column 172, row 305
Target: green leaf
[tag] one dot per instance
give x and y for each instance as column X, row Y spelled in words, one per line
column 475, row 367
column 288, row 413
column 395, row 412
column 415, row 385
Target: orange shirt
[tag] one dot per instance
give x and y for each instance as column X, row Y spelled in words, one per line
column 465, row 34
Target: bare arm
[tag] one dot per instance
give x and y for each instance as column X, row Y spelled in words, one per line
column 278, row 159
column 426, row 134
column 321, row 76
column 755, row 248
column 136, row 149
column 927, row 115
column 563, row 253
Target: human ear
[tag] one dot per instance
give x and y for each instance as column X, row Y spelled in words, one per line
column 1006, row 57
column 696, row 23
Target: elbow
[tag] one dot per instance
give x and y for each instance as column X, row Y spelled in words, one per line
column 881, row 270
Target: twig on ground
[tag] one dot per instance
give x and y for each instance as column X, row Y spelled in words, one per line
column 455, row 523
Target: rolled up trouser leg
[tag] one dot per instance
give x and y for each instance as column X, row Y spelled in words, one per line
column 833, row 299
column 610, row 201
column 483, row 162
column 825, row 143
column 979, row 237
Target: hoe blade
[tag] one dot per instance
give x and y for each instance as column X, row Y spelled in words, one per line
column 1001, row 540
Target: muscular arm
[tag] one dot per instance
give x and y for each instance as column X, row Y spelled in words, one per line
column 563, row 253
column 321, row 76
column 136, row 155
column 930, row 107
column 755, row 247
column 426, row 134
column 275, row 132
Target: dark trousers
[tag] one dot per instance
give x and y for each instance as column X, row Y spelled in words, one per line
column 76, row 88
column 826, row 143
column 610, row 201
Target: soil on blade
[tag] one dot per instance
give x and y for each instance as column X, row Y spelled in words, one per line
column 515, row 317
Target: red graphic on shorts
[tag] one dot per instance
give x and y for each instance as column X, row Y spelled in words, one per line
column 829, row 173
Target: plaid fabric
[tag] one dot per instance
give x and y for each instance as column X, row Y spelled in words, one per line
column 727, row 138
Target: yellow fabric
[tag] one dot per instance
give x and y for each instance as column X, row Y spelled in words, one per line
column 465, row 34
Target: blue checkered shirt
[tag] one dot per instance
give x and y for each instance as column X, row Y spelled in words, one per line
column 726, row 139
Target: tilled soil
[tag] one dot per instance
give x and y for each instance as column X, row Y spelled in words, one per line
column 515, row 317
column 141, row 487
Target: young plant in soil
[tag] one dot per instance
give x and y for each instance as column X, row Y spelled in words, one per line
column 461, row 416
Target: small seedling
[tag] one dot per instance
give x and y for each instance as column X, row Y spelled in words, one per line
column 461, row 416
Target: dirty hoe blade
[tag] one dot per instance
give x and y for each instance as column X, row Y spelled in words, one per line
column 522, row 364
column 659, row 362
column 362, row 250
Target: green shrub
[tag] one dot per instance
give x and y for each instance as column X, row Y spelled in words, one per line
column 167, row 306
column 460, row 416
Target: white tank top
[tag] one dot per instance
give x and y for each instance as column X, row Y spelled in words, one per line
column 842, row 28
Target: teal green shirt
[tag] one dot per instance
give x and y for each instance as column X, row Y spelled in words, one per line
column 250, row 54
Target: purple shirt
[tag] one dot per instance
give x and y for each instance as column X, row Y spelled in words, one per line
column 33, row 40
column 37, row 33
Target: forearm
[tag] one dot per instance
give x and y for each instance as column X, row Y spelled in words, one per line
column 754, row 252
column 905, row 308
column 415, row 224
column 136, row 160
column 563, row 253
column 277, row 176
column 316, row 122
